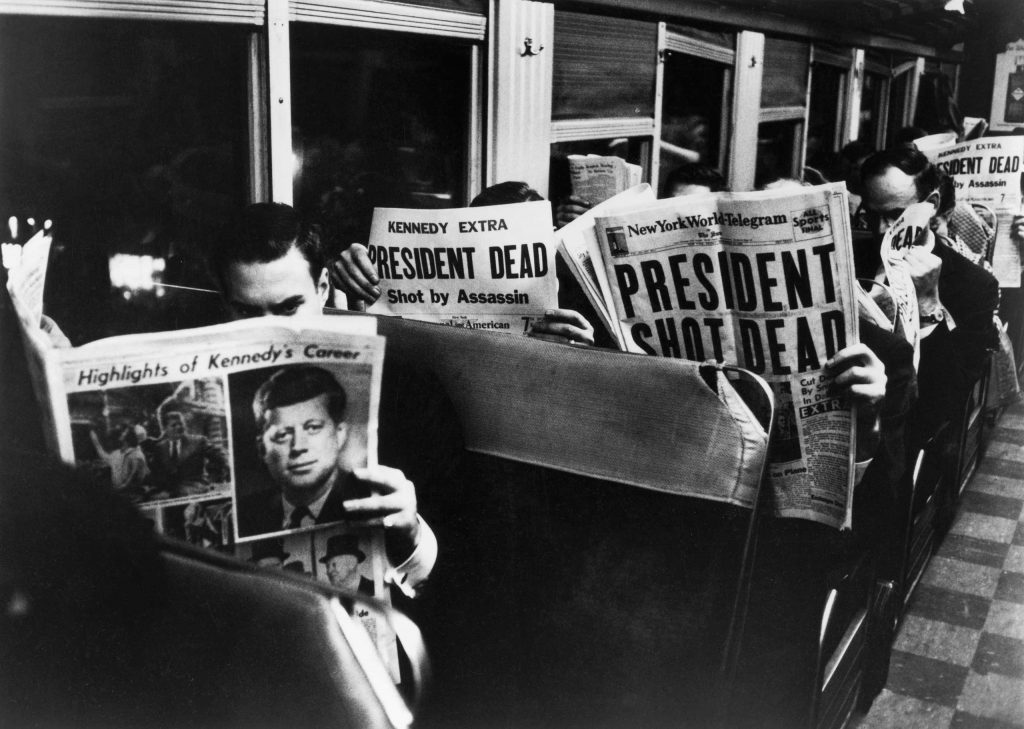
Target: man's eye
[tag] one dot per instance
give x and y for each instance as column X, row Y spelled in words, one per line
column 314, row 427
column 279, row 437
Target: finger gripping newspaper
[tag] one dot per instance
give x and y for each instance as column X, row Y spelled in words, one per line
column 765, row 281
column 479, row 268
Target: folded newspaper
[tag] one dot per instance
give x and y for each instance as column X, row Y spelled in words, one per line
column 595, row 178
column 200, row 429
column 762, row 280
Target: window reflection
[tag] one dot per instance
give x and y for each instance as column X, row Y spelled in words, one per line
column 132, row 137
column 379, row 120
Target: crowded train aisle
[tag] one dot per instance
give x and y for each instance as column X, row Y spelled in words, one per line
column 958, row 660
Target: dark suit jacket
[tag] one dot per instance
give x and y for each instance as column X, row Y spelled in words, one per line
column 951, row 361
column 198, row 461
column 262, row 512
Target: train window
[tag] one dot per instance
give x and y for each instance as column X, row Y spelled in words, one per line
column 783, row 110
column 603, row 67
column 778, row 151
column 133, row 137
column 825, row 119
column 874, row 92
column 695, row 112
column 376, row 122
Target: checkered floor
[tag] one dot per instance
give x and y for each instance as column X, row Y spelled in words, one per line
column 958, row 661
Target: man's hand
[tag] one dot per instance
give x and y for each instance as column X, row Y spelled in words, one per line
column 860, row 375
column 1017, row 228
column 924, row 268
column 570, row 209
column 392, row 505
column 565, row 323
column 354, row 274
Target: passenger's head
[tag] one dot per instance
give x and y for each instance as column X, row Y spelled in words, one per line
column 906, row 136
column 693, row 179
column 342, row 560
column 896, row 178
column 269, row 553
column 785, row 183
column 301, row 429
column 505, row 193
column 852, row 157
column 271, row 263
column 172, row 421
column 129, row 436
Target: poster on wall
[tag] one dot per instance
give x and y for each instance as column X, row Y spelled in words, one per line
column 1008, row 89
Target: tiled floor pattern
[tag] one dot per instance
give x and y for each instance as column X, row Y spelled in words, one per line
column 958, row 661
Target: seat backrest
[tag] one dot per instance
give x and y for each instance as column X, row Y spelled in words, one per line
column 594, row 536
column 244, row 647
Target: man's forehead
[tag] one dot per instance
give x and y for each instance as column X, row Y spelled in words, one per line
column 253, row 280
column 315, row 406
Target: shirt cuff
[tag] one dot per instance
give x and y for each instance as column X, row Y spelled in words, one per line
column 414, row 571
column 858, row 470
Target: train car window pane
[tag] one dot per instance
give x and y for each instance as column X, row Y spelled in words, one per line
column 133, row 138
column 870, row 103
column 776, row 151
column 603, row 67
column 823, row 134
column 378, row 120
column 693, row 110
column 785, row 73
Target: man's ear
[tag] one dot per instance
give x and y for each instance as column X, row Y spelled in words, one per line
column 342, row 430
column 323, row 286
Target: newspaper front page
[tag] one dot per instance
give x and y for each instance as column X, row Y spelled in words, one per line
column 763, row 280
column 183, row 425
column 480, row 268
column 990, row 171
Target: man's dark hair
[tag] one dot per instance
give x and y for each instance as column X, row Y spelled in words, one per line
column 292, row 385
column 857, row 150
column 505, row 193
column 910, row 161
column 166, row 410
column 694, row 174
column 908, row 135
column 263, row 233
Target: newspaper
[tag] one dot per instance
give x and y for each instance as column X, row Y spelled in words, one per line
column 763, row 280
column 27, row 264
column 173, row 421
column 907, row 231
column 578, row 246
column 479, row 268
column 595, row 178
column 990, row 171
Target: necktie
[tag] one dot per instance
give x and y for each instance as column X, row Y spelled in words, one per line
column 300, row 513
column 174, row 450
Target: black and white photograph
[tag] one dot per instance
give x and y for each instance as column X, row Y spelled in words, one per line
column 299, row 431
column 157, row 444
column 512, row 364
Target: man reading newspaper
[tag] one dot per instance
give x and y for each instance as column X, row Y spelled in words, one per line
column 765, row 281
